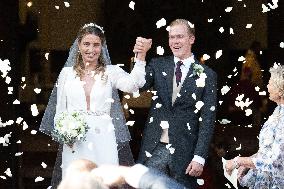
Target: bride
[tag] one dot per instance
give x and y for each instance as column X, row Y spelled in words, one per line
column 88, row 84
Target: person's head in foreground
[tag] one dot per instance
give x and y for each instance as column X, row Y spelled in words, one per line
column 276, row 84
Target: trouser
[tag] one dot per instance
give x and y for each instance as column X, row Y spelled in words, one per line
column 161, row 159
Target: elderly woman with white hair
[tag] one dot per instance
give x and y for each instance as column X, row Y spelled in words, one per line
column 265, row 169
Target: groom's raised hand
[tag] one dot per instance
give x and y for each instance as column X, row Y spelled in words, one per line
column 141, row 47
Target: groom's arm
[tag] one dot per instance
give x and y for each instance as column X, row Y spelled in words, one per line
column 207, row 114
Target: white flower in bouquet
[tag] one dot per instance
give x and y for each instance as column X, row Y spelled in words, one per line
column 70, row 127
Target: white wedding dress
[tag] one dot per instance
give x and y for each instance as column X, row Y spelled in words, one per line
column 100, row 145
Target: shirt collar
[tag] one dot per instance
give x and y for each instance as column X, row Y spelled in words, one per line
column 186, row 62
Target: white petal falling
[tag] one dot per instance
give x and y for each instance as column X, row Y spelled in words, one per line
column 160, row 50
column 131, row 5
column 281, row 45
column 39, row 179
column 248, row 26
column 219, row 54
column 160, row 23
column 228, row 9
column 66, row 4
column 34, row 110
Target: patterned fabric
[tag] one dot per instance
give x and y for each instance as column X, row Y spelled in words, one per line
column 269, row 160
column 178, row 72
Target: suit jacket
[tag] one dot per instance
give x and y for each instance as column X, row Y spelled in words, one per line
column 189, row 132
column 155, row 180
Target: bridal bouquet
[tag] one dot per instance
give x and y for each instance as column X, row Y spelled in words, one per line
column 70, row 127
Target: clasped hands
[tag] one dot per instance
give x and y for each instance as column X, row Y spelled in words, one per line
column 141, row 47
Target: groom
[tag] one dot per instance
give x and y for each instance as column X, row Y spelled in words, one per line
column 182, row 115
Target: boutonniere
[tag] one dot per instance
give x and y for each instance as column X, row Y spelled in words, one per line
column 197, row 69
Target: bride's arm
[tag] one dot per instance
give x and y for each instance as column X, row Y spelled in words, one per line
column 61, row 93
column 127, row 82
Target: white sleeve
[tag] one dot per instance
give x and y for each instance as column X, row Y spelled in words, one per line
column 128, row 82
column 61, row 93
column 133, row 176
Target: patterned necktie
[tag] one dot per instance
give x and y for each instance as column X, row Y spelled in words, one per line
column 178, row 72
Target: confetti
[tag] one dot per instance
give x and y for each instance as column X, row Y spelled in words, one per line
column 225, row 89
column 5, row 67
column 164, row 73
column 263, row 93
column 241, row 58
column 219, row 54
column 221, row 29
column 190, row 24
column 228, row 9
column 210, row 20
column 130, row 123
column 282, row 45
column 164, row 124
column 125, row 106
column 19, row 154
column 193, row 96
column 239, row 148
column 248, row 112
column 205, row 56
column 131, row 111
column 29, row 4
column 67, row 4
column 151, row 119
column 162, row 22
column 200, row 182
column 43, row 165
column 8, row 172
column 131, row 5
column 160, row 50
column 188, row 126
column 224, row 121
column 57, row 7
column 158, row 105
column 148, row 154
column 248, row 26
column 212, row 108
column 232, row 31
column 34, row 110
column 154, row 97
column 46, row 55
column 3, row 177
column 8, row 80
column 16, row 102
column 127, row 96
column 37, row 90
column 199, row 105
column 10, row 90
column 172, row 150
column 25, row 125
column 33, row 132
column 39, row 179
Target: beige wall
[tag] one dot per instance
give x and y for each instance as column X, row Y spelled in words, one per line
column 58, row 27
column 240, row 17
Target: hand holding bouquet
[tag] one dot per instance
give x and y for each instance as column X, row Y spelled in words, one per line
column 70, row 127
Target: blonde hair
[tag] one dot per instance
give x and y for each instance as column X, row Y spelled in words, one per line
column 277, row 76
column 79, row 65
column 191, row 30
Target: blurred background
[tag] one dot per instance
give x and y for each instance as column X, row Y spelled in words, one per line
column 239, row 39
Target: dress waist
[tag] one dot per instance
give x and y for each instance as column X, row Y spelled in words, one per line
column 92, row 113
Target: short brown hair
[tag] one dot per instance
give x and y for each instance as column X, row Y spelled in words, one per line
column 191, row 30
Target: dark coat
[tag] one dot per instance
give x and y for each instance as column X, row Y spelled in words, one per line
column 188, row 134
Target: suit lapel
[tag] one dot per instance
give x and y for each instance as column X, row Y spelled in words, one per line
column 169, row 70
